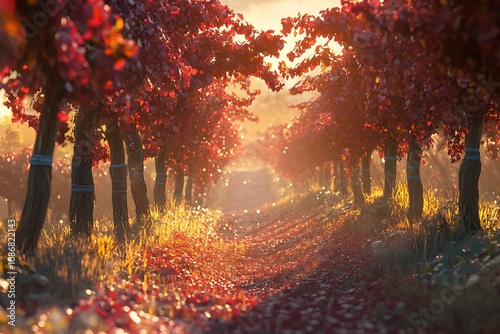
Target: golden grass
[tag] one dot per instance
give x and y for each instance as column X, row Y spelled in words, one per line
column 489, row 213
column 403, row 247
column 427, row 245
column 73, row 265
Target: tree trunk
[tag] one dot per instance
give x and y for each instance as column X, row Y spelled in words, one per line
column 328, row 176
column 415, row 189
column 81, row 207
column 40, row 173
column 138, row 187
column 357, row 190
column 340, row 179
column 179, row 187
column 188, row 193
column 336, row 177
column 161, row 179
column 118, row 173
column 325, row 176
column 468, row 179
column 321, row 176
column 366, row 176
column 390, row 153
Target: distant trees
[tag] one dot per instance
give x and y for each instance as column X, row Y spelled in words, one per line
column 406, row 72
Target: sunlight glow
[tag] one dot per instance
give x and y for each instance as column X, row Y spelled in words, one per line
column 4, row 111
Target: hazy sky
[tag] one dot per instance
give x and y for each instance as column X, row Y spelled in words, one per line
column 264, row 15
column 267, row 14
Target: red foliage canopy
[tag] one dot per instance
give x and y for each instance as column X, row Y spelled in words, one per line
column 77, row 44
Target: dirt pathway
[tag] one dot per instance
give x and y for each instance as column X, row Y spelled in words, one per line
column 243, row 190
column 309, row 273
